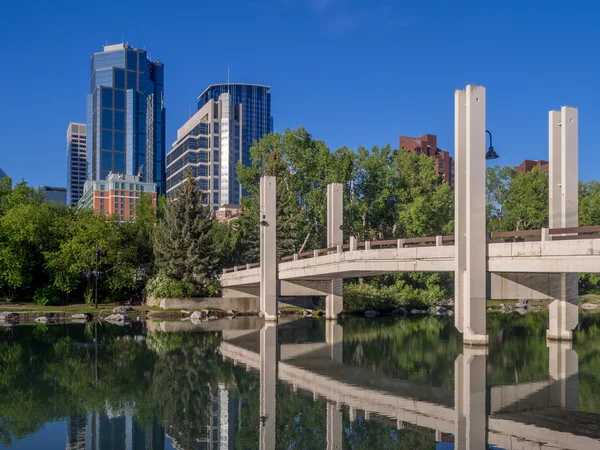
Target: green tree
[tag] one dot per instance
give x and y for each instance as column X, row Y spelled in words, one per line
column 498, row 183
column 182, row 239
column 527, row 202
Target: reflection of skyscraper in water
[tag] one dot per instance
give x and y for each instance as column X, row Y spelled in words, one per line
column 114, row 428
column 223, row 422
column 76, row 432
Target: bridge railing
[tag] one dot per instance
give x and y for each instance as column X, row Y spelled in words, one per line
column 555, row 234
column 563, row 234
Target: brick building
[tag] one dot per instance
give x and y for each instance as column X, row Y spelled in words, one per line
column 118, row 194
column 427, row 145
column 528, row 165
column 227, row 212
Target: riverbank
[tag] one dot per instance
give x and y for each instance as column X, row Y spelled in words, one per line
column 31, row 313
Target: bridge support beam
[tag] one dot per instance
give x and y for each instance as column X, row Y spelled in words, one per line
column 470, row 214
column 564, row 213
column 269, row 352
column 564, row 375
column 470, row 430
column 334, row 301
column 268, row 248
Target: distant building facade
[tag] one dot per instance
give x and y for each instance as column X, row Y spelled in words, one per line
column 76, row 161
column 528, row 165
column 126, row 115
column 118, row 194
column 54, row 194
column 225, row 213
column 427, row 145
column 229, row 120
column 3, row 174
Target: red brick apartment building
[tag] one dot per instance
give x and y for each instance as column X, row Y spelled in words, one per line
column 427, row 145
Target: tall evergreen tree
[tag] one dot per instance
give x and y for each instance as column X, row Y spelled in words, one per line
column 183, row 246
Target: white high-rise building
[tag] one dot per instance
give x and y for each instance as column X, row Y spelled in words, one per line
column 76, row 161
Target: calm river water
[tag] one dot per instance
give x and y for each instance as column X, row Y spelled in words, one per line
column 360, row 384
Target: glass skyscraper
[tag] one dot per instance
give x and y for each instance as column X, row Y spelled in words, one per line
column 230, row 119
column 76, row 162
column 126, row 115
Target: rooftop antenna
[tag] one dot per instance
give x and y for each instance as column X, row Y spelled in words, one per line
column 228, row 80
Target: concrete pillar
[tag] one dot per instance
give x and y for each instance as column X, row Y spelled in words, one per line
column 268, row 385
column 268, row 248
column 334, row 336
column 564, row 212
column 334, row 427
column 334, row 301
column 438, row 436
column 353, row 244
column 470, row 215
column 469, row 399
column 352, row 414
column 564, row 375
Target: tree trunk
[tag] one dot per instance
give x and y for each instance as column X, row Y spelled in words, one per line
column 304, row 243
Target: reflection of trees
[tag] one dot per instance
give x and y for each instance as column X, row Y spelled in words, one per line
column 518, row 351
column 301, row 422
column 418, row 349
column 49, row 372
column 182, row 383
column 587, row 341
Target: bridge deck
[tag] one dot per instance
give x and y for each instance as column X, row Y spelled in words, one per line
column 577, row 255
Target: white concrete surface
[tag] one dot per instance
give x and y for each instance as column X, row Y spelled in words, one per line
column 334, row 302
column 268, row 247
column 470, row 214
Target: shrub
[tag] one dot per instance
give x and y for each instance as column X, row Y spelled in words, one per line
column 47, row 296
column 161, row 286
column 360, row 297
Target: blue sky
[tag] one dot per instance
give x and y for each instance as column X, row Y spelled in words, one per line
column 352, row 72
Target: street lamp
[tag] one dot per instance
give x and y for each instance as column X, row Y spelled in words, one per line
column 491, row 154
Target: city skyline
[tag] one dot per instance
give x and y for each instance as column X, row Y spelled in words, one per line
column 338, row 55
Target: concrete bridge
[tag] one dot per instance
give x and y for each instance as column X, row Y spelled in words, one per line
column 472, row 415
column 536, row 264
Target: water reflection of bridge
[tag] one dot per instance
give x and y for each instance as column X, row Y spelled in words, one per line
column 540, row 415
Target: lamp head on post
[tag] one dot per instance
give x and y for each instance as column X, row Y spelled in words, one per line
column 491, row 153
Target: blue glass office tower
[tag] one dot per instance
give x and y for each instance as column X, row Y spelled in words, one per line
column 126, row 115
column 247, row 111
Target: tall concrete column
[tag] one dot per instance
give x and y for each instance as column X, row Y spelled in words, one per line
column 564, row 375
column 269, row 352
column 470, row 214
column 564, row 212
column 268, row 248
column 334, row 301
column 334, row 336
column 469, row 399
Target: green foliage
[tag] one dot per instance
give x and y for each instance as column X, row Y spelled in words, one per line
column 47, row 296
column 182, row 239
column 161, row 286
column 360, row 297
